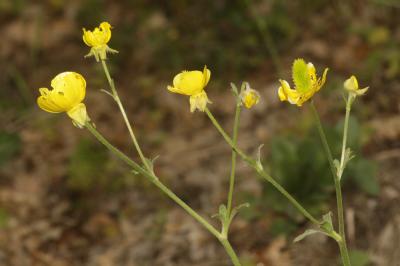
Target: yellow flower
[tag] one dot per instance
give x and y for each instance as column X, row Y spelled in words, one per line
column 97, row 40
column 249, row 96
column 351, row 85
column 306, row 83
column 192, row 83
column 68, row 92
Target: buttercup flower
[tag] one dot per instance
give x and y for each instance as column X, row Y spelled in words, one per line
column 249, row 97
column 97, row 40
column 306, row 83
column 192, row 83
column 351, row 85
column 69, row 89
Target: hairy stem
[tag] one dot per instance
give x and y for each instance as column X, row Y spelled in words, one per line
column 125, row 117
column 155, row 180
column 253, row 163
column 231, row 252
column 339, row 199
column 233, row 158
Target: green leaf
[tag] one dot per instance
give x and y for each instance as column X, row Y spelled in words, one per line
column 359, row 258
column 301, row 78
column 305, row 234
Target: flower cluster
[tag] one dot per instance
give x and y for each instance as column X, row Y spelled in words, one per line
column 69, row 87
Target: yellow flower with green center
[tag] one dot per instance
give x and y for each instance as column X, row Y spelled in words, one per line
column 69, row 89
column 351, row 85
column 249, row 96
column 192, row 83
column 306, row 83
column 97, row 40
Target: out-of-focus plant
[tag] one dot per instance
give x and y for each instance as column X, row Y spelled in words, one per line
column 69, row 90
column 10, row 144
column 308, row 168
column 86, row 159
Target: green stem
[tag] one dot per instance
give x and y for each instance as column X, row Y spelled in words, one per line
column 125, row 117
column 324, row 141
column 233, row 159
column 339, row 199
column 155, row 180
column 231, row 252
column 345, row 133
column 260, row 170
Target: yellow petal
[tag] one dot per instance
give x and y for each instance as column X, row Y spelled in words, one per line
column 206, row 75
column 106, row 31
column 250, row 97
column 281, row 94
column 311, row 72
column 287, row 94
column 322, row 81
column 68, row 91
column 189, row 82
column 46, row 104
column 69, row 87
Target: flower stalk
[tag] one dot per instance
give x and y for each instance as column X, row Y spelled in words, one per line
column 115, row 95
column 156, row 181
column 233, row 157
column 258, row 168
column 148, row 171
column 336, row 173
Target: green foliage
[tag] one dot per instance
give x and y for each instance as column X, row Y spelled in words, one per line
column 10, row 144
column 359, row 258
column 300, row 165
column 301, row 78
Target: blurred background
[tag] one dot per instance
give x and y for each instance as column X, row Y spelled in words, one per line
column 64, row 200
